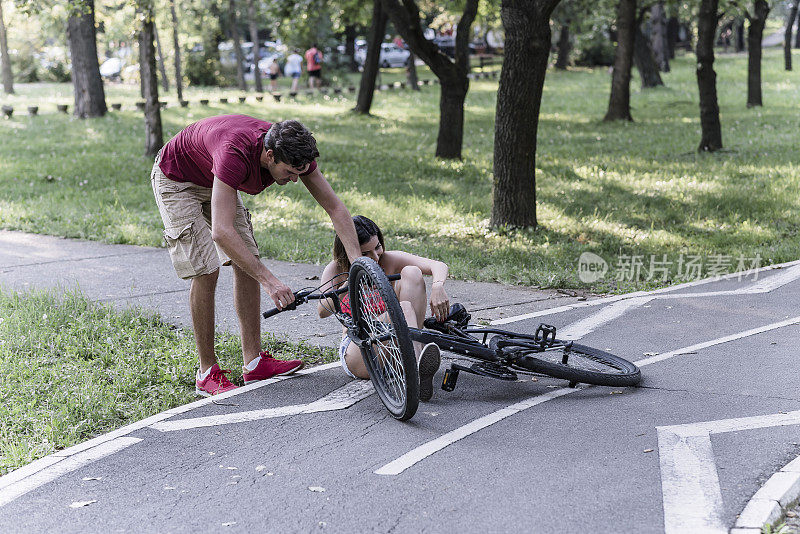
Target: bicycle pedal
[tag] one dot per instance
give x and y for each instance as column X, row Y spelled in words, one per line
column 450, row 379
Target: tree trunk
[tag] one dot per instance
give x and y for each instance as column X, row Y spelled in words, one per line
column 660, row 46
column 519, row 96
column 452, row 75
column 739, row 25
column 619, row 103
column 451, row 116
column 8, row 77
column 176, row 45
column 154, row 137
column 673, row 27
column 643, row 58
column 162, row 70
column 797, row 33
column 251, row 21
column 350, row 47
column 787, row 37
column 237, row 45
column 90, row 97
column 711, row 137
column 563, row 47
column 755, row 33
column 411, row 72
column 366, row 89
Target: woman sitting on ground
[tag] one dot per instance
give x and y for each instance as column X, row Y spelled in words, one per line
column 410, row 290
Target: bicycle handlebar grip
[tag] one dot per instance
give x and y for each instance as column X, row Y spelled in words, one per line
column 269, row 313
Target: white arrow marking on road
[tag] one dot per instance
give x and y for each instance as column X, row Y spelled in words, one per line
column 689, row 482
column 339, row 399
column 62, row 467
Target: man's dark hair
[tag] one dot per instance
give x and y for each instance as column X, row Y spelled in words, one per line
column 291, row 143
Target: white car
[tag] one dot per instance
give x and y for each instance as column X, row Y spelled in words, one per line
column 391, row 55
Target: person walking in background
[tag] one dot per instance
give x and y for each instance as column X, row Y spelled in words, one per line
column 274, row 72
column 294, row 68
column 314, row 66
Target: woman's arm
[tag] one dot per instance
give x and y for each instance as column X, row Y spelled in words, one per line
column 395, row 260
column 324, row 306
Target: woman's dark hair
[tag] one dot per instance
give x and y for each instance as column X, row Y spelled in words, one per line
column 365, row 229
column 291, row 143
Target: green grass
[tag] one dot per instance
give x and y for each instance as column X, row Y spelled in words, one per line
column 71, row 369
column 610, row 188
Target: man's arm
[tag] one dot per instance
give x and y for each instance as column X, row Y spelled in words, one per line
column 223, row 232
column 323, row 193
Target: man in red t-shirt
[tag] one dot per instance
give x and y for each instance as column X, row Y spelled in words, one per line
column 314, row 66
column 197, row 179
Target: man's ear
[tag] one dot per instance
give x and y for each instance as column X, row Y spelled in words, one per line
column 269, row 156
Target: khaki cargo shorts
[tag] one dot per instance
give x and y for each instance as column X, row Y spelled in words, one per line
column 185, row 209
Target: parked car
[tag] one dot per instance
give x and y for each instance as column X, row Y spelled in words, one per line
column 391, row 55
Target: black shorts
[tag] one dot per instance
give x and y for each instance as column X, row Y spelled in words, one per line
column 273, row 76
column 315, row 73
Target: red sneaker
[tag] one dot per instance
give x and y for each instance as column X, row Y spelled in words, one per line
column 268, row 367
column 215, row 383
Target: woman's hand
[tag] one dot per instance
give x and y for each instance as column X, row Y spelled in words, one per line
column 440, row 303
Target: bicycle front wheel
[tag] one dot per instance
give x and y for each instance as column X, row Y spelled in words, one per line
column 569, row 361
column 388, row 352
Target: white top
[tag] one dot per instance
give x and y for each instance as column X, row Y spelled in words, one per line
column 294, row 64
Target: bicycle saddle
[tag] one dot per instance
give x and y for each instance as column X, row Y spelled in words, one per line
column 458, row 314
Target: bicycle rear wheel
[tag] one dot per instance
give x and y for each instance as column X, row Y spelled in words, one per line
column 388, row 353
column 569, row 361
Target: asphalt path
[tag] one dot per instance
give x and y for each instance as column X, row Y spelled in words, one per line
column 716, row 415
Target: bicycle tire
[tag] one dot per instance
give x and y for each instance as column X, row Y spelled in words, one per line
column 586, row 365
column 378, row 315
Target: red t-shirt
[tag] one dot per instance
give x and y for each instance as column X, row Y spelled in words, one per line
column 228, row 147
column 311, row 59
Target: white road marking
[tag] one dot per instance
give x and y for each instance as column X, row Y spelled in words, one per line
column 61, row 467
column 613, row 311
column 37, row 466
column 421, row 452
column 718, row 341
column 426, row 449
column 689, row 482
column 771, row 283
column 339, row 399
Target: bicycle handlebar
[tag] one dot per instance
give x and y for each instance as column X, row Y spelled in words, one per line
column 303, row 296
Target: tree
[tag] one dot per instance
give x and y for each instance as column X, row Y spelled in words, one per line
column 176, row 45
column 563, row 47
column 237, row 45
column 90, row 98
column 787, row 36
column 658, row 19
column 797, row 34
column 707, row 20
column 644, row 60
column 253, row 26
column 619, row 103
column 8, row 77
column 162, row 69
column 411, row 72
column 452, row 75
column 519, row 96
column 755, row 33
column 366, row 89
column 154, row 137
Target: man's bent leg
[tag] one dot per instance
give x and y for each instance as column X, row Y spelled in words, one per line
column 201, row 303
column 247, row 300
